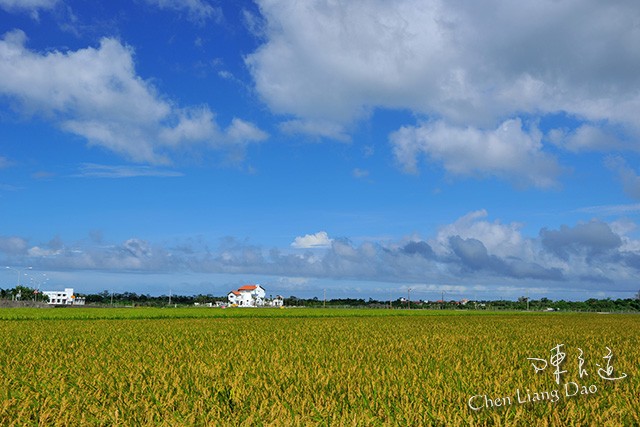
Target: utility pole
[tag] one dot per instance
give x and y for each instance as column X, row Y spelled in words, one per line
column 324, row 302
column 169, row 296
column 408, row 298
column 391, row 306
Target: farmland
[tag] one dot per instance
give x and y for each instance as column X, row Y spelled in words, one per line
column 312, row 367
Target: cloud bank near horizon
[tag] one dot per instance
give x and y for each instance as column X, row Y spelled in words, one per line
column 470, row 251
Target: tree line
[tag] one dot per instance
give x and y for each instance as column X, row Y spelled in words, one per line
column 521, row 304
column 106, row 298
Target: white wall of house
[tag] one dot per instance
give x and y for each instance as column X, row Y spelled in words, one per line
column 247, row 296
column 65, row 297
column 232, row 297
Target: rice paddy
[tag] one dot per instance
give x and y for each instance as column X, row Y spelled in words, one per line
column 210, row 367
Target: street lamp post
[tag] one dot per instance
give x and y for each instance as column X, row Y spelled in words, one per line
column 19, row 271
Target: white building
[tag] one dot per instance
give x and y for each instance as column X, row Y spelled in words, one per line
column 65, row 297
column 247, row 296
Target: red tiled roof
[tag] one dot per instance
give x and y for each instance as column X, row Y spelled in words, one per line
column 247, row 288
column 235, row 292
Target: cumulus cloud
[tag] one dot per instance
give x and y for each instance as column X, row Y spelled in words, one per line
column 500, row 239
column 465, row 253
column 474, row 257
column 462, row 61
column 131, row 255
column 588, row 239
column 587, row 138
column 343, row 58
column 469, row 69
column 95, row 93
column 473, row 254
column 240, row 131
column 508, row 152
column 308, row 241
column 418, row 248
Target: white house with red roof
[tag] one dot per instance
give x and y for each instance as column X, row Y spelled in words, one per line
column 247, row 296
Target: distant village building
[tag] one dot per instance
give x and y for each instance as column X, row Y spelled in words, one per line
column 247, row 296
column 278, row 301
column 65, row 297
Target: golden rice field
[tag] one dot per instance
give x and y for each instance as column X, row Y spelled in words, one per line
column 301, row 367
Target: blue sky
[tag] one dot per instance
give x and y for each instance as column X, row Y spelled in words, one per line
column 362, row 147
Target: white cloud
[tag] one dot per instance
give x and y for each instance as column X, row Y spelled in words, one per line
column 13, row 245
column 195, row 124
column 39, row 252
column 27, row 4
column 466, row 66
column 198, row 10
column 240, row 131
column 508, row 152
column 471, row 252
column 499, row 239
column 92, row 170
column 318, row 128
column 343, row 58
column 8, row 187
column 460, row 60
column 254, row 23
column 360, row 173
column 627, row 175
column 310, row 241
column 587, row 138
column 32, row 6
column 616, row 210
column 96, row 93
